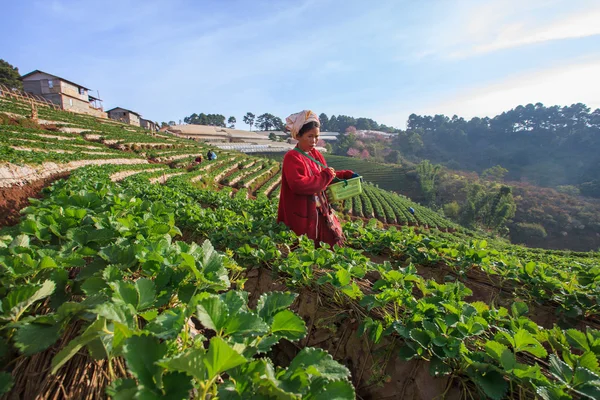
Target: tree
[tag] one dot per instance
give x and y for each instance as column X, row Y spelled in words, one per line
column 393, row 157
column 487, row 208
column 249, row 119
column 267, row 121
column 427, row 173
column 231, row 121
column 9, row 76
column 324, row 121
column 495, row 173
column 172, row 123
column 273, row 136
column 278, row 124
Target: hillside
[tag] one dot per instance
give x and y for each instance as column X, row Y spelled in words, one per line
column 136, row 274
column 566, row 221
column 548, row 146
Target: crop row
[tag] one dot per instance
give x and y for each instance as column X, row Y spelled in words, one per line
column 498, row 350
column 95, row 255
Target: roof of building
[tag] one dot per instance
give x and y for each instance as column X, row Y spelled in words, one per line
column 124, row 109
column 56, row 76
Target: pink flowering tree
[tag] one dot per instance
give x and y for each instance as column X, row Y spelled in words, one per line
column 352, row 152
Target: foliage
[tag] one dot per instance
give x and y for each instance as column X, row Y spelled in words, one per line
column 495, row 173
column 522, row 231
column 267, row 121
column 9, row 76
column 231, row 121
column 249, row 119
column 207, row 119
column 427, row 173
column 520, row 140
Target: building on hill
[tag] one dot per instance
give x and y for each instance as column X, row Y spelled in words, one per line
column 124, row 115
column 374, row 134
column 70, row 96
column 329, row 136
column 147, row 124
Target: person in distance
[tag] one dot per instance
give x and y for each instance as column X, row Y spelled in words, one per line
column 303, row 206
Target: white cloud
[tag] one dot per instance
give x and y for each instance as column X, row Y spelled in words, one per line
column 563, row 85
column 471, row 28
column 520, row 33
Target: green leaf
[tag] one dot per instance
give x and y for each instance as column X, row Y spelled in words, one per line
column 317, row 362
column 93, row 285
column 407, row 353
column 47, row 262
column 508, row 360
column 221, row 357
column 266, row 343
column 271, row 303
column 585, row 376
column 22, row 297
column 336, row 390
column 212, row 312
column 577, row 339
column 190, row 362
column 122, row 389
column 126, row 293
column 420, row 336
column 552, row 393
column 160, row 229
column 247, row 324
column 147, row 293
column 236, row 301
column 493, row 384
column 288, row 325
column 149, row 315
column 437, row 367
column 524, row 341
column 591, row 391
column 588, row 360
column 518, row 309
column 6, row 382
column 177, row 386
column 343, row 276
column 33, row 338
column 168, row 324
column 116, row 312
column 76, row 344
column 495, row 349
column 20, row 241
column 141, row 354
column 561, row 370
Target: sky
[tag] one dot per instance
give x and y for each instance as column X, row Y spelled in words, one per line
column 383, row 59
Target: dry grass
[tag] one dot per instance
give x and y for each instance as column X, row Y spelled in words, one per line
column 81, row 378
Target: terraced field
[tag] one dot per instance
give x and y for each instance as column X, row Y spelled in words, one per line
column 136, row 278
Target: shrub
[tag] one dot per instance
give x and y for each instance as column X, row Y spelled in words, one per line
column 524, row 231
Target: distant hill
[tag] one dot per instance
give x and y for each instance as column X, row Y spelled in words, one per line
column 568, row 222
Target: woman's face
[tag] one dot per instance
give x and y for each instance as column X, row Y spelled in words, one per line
column 309, row 139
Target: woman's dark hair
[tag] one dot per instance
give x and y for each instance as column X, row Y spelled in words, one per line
column 309, row 126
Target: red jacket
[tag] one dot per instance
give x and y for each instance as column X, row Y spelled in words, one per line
column 301, row 180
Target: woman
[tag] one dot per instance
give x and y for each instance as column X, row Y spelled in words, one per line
column 303, row 206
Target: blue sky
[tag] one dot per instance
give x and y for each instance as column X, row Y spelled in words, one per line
column 384, row 60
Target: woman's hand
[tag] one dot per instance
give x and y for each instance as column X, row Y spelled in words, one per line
column 332, row 170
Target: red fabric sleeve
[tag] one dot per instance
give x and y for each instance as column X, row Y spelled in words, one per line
column 344, row 174
column 299, row 179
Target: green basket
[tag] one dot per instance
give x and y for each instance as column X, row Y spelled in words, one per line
column 344, row 189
